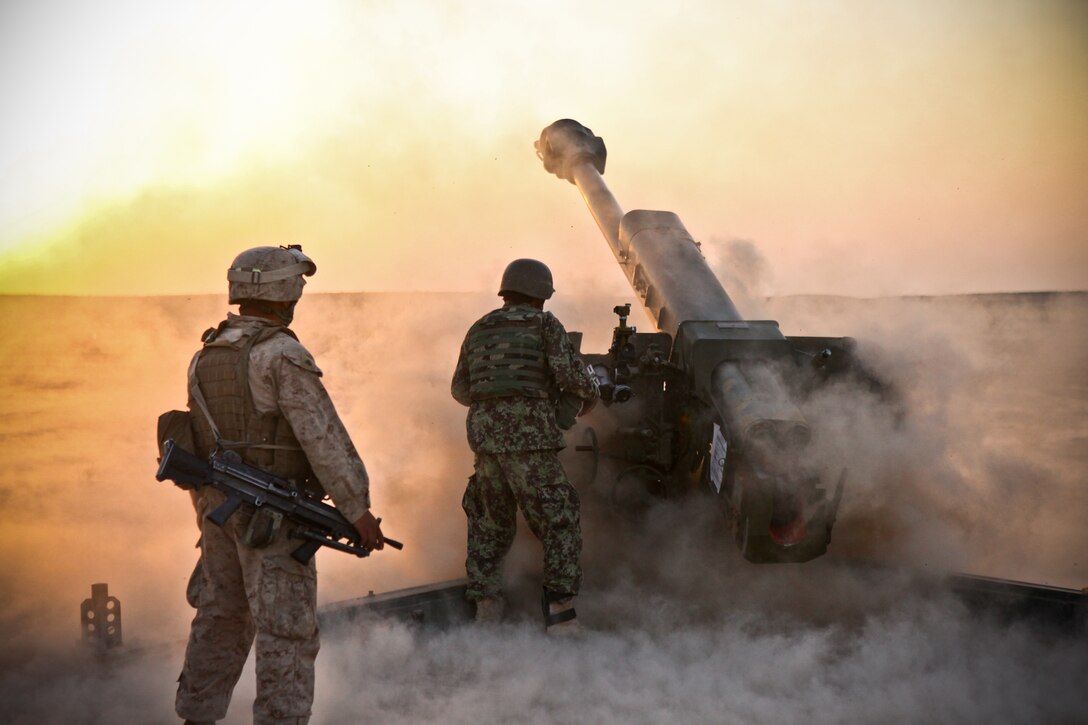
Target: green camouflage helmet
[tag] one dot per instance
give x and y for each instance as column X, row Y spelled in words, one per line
column 529, row 277
column 269, row 273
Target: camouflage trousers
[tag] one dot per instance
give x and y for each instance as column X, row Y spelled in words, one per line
column 536, row 482
column 241, row 595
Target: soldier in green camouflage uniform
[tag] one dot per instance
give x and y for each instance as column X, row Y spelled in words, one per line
column 254, row 389
column 515, row 366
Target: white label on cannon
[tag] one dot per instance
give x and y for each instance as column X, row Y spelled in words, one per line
column 718, row 449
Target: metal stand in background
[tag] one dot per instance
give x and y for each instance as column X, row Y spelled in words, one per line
column 101, row 619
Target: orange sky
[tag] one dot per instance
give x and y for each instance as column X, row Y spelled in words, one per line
column 864, row 148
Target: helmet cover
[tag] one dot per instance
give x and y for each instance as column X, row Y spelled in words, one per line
column 269, row 273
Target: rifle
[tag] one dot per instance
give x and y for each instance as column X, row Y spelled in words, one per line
column 318, row 523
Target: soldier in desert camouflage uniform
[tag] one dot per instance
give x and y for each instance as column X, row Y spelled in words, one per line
column 515, row 366
column 255, row 389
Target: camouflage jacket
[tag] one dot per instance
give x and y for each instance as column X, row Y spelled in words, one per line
column 284, row 378
column 519, row 423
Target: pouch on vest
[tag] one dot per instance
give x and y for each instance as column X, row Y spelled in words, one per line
column 176, row 425
column 567, row 407
column 262, row 528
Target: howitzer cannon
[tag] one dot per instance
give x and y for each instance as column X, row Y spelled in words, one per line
column 710, row 402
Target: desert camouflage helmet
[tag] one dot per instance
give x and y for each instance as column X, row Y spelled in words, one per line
column 529, row 277
column 269, row 273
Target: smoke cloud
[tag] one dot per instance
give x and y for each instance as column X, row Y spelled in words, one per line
column 743, row 272
column 982, row 472
column 966, row 478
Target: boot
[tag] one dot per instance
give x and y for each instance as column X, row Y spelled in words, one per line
column 489, row 610
column 560, row 618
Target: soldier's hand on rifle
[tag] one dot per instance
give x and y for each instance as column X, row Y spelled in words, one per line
column 370, row 531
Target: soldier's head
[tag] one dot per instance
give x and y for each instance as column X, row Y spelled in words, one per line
column 268, row 281
column 526, row 281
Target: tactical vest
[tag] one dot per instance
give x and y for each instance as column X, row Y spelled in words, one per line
column 262, row 440
column 506, row 355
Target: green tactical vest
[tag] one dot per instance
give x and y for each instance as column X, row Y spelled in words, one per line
column 262, row 440
column 506, row 355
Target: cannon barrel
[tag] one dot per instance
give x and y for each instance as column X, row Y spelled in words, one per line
column 679, row 291
column 662, row 262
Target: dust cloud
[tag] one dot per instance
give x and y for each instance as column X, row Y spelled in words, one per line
column 983, row 473
column 743, row 271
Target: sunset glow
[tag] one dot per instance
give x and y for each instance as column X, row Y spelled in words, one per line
column 864, row 149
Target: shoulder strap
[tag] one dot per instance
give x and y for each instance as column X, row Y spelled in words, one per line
column 198, row 397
